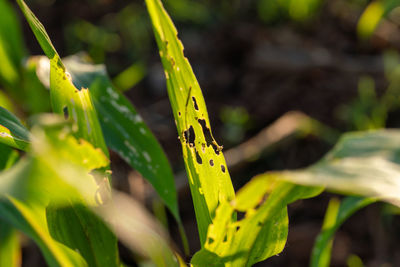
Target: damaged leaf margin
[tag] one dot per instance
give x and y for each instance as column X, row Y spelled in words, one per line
column 262, row 232
column 66, row 99
column 209, row 178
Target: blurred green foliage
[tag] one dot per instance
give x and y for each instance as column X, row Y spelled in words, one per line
column 236, row 122
column 298, row 10
column 370, row 110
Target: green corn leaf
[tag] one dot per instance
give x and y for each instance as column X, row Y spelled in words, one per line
column 96, row 244
column 66, row 99
column 12, row 50
column 56, row 171
column 32, row 221
column 8, row 156
column 10, row 250
column 40, row 32
column 124, row 130
column 74, row 224
column 75, row 103
column 336, row 214
column 208, row 175
column 12, row 132
column 18, row 188
column 361, row 163
column 263, row 230
column 15, row 77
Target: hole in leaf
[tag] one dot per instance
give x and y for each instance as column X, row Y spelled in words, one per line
column 66, row 114
column 208, row 136
column 210, row 240
column 196, row 107
column 198, row 158
column 222, row 168
column 240, row 215
column 189, row 136
column 211, row 162
column 179, row 113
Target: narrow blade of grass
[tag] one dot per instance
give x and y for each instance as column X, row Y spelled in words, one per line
column 336, row 214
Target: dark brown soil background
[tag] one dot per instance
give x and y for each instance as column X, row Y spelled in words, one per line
column 266, row 70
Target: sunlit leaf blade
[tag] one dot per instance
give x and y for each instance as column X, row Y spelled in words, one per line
column 15, row 191
column 76, row 104
column 361, row 163
column 208, row 175
column 56, row 171
column 10, row 250
column 74, row 224
column 124, row 130
column 12, row 132
column 66, row 99
column 263, row 230
column 32, row 222
column 39, row 31
column 336, row 214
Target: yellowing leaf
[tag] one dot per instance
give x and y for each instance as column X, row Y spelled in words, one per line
column 208, row 175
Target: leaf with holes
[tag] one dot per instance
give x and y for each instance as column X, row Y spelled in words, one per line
column 263, row 230
column 75, row 103
column 208, row 175
column 66, row 99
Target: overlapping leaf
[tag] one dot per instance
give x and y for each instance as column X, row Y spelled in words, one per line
column 139, row 231
column 44, row 176
column 75, row 103
column 12, row 132
column 263, row 230
column 124, row 130
column 208, row 175
column 361, row 163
